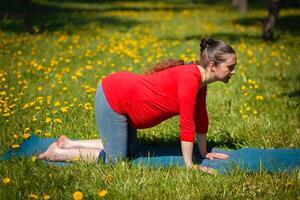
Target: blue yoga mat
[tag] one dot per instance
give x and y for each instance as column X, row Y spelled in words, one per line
column 247, row 159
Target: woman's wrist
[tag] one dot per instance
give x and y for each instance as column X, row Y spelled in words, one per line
column 203, row 155
column 187, row 152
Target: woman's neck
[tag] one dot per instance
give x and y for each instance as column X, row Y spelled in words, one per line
column 206, row 77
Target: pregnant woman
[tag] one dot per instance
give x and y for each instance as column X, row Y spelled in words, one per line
column 127, row 101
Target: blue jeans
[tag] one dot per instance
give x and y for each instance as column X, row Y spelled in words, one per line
column 118, row 138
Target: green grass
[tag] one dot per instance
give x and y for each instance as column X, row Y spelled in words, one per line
column 74, row 44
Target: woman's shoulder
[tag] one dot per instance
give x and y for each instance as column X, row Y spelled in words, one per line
column 190, row 69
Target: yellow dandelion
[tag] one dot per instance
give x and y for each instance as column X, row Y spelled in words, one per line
column 78, row 73
column 6, row 180
column 76, row 158
column 90, row 90
column 26, row 135
column 40, row 88
column 57, row 103
column 38, row 131
column 250, row 81
column 26, row 130
column 33, row 196
column 33, row 158
column 6, row 115
column 3, row 93
column 64, row 109
column 15, row 136
column 15, row 146
column 259, row 97
column 88, row 106
column 34, row 119
column 47, row 134
column 102, row 193
column 89, row 67
column 48, row 120
column 109, row 178
column 77, row 195
column 46, row 197
column 58, row 120
column 245, row 116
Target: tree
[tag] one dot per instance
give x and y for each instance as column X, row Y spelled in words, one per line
column 269, row 25
column 242, row 5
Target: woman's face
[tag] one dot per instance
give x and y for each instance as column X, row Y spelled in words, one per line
column 224, row 71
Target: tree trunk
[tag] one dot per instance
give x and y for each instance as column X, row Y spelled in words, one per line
column 27, row 15
column 268, row 31
column 242, row 5
column 192, row 2
column 235, row 3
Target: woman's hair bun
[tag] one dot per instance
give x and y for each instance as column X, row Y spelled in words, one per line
column 206, row 43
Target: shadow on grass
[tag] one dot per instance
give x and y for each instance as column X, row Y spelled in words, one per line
column 23, row 16
column 173, row 148
column 293, row 94
column 27, row 15
column 226, row 37
column 285, row 81
column 284, row 24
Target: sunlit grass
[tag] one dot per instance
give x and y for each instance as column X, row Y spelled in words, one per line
column 48, row 80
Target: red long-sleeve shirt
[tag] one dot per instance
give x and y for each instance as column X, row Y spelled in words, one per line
column 147, row 100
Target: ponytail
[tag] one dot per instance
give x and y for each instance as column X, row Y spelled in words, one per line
column 165, row 64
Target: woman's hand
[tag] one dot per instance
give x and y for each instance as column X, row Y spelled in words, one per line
column 212, row 156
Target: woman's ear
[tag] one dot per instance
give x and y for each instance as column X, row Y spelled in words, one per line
column 211, row 66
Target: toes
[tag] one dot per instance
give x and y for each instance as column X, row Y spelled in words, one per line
column 61, row 140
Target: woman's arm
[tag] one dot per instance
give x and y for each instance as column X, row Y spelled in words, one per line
column 201, row 140
column 187, row 152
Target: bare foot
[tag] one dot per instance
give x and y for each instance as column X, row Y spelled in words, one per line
column 64, row 142
column 50, row 153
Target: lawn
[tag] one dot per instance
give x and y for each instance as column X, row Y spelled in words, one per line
column 51, row 64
